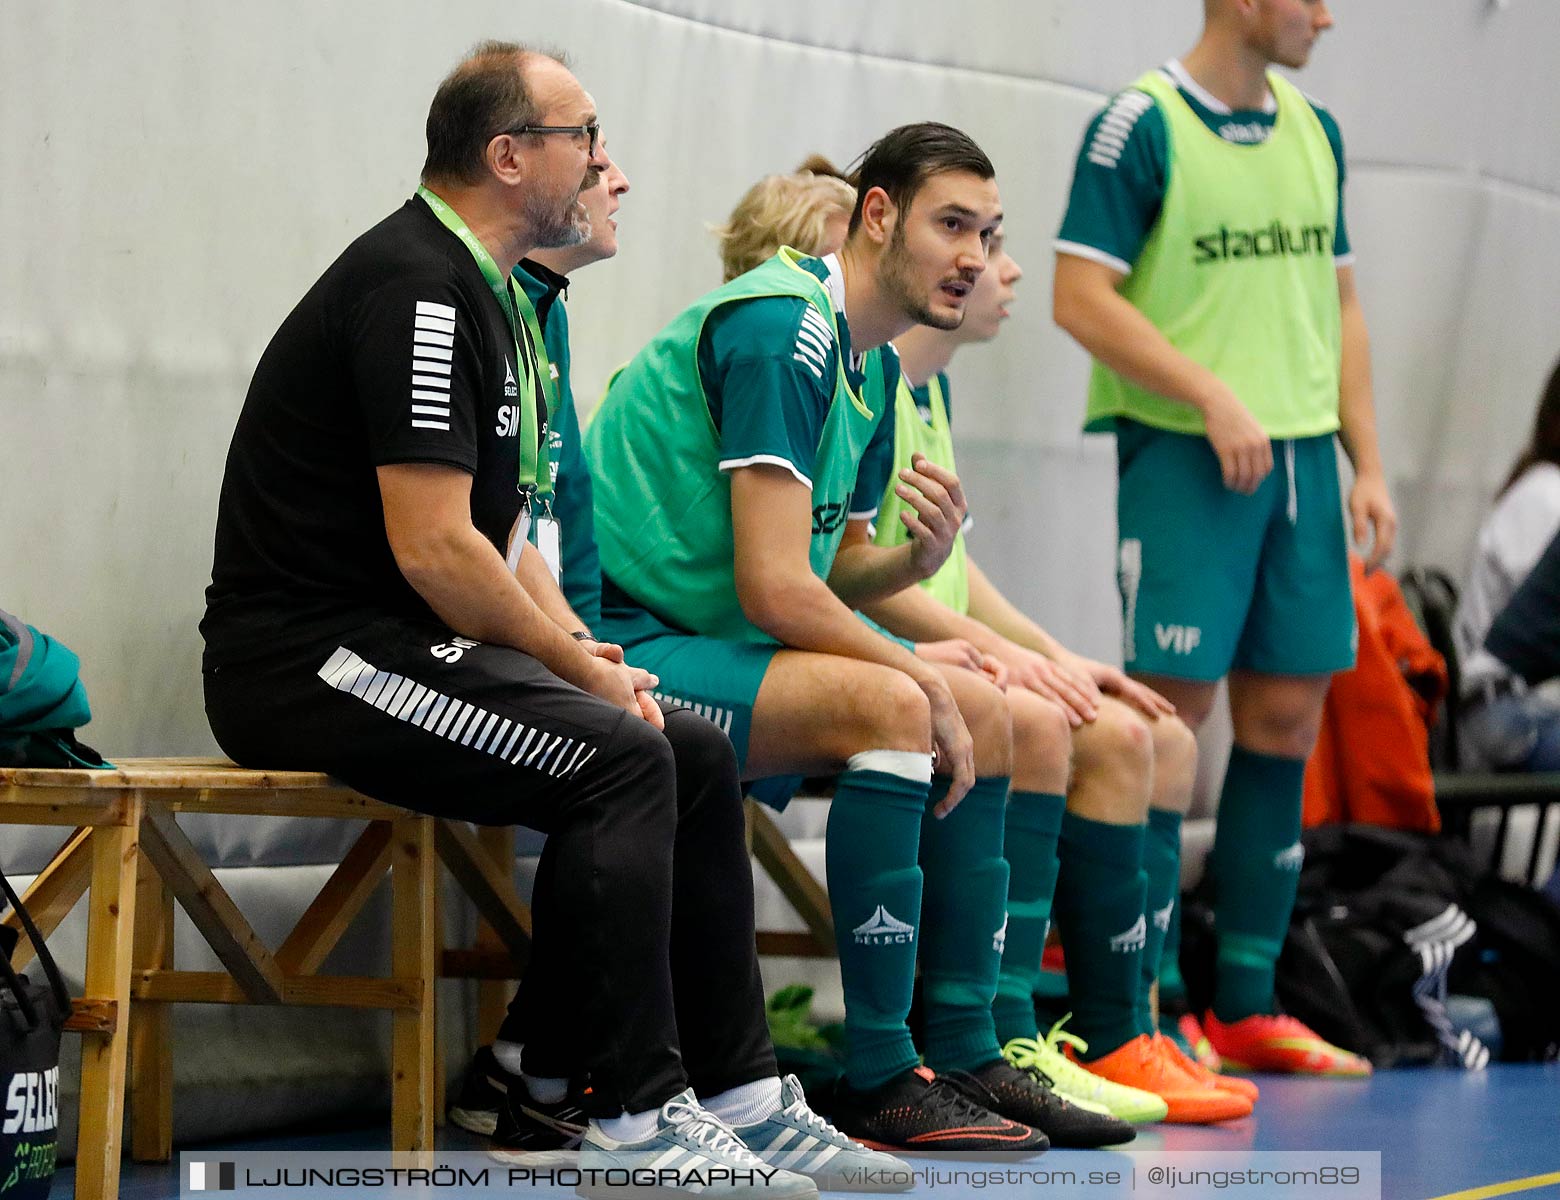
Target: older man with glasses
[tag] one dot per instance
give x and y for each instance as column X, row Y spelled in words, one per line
column 362, row 620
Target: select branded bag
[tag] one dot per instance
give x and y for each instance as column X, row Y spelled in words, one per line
column 32, row 1016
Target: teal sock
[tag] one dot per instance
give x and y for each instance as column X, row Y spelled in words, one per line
column 875, row 894
column 1099, row 910
column 1030, row 832
column 1172, row 987
column 1256, row 869
column 1162, row 863
column 962, row 922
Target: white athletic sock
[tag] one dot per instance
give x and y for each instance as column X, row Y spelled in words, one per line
column 747, row 1102
column 545, row 1091
column 906, row 764
column 630, row 1127
column 508, row 1055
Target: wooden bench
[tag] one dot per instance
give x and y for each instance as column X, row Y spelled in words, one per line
column 128, row 855
column 772, row 851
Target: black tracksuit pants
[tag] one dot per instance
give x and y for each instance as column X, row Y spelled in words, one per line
column 644, row 913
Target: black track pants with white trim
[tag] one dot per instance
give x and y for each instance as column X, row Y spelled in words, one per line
column 715, row 978
column 405, row 712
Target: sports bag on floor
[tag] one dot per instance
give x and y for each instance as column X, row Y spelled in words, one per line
column 32, row 1016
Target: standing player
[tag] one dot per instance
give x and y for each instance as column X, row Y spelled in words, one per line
column 1204, row 263
column 737, row 461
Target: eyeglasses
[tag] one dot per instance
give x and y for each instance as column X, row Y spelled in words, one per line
column 591, row 131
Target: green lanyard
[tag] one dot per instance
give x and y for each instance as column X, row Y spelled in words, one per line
column 535, row 474
column 543, row 363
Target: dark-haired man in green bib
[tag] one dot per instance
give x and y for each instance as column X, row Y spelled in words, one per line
column 738, row 460
column 1203, row 262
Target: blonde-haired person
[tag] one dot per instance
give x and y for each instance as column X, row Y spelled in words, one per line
column 807, row 210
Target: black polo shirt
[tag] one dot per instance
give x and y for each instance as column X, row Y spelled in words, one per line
column 400, row 353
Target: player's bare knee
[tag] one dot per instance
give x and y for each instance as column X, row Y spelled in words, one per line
column 985, row 712
column 1119, row 738
column 1042, row 743
column 888, row 711
column 1281, row 723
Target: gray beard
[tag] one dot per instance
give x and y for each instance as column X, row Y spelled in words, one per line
column 557, row 231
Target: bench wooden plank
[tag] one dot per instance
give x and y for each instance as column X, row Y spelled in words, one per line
column 132, row 773
column 21, row 804
column 304, row 991
column 55, row 892
column 212, row 910
column 338, row 903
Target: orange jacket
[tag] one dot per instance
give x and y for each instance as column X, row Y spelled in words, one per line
column 1372, row 761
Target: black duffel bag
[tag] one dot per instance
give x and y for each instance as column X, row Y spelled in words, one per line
column 32, row 1017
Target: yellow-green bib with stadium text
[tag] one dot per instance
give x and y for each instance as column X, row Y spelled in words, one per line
column 914, row 434
column 1238, row 271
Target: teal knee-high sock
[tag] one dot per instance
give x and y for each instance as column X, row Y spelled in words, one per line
column 1030, row 832
column 1256, row 869
column 962, row 921
column 1162, row 864
column 1172, row 987
column 875, row 893
column 1099, row 911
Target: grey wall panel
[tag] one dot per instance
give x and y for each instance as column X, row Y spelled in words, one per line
column 170, row 201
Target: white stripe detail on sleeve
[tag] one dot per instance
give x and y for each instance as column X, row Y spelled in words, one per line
column 1111, row 134
column 457, row 721
column 433, row 339
column 773, row 460
column 1079, row 250
column 798, row 356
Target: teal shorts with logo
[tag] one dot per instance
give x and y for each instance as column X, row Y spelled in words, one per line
column 1213, row 580
column 718, row 679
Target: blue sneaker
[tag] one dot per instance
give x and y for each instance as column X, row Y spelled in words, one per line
column 691, row 1152
column 795, row 1138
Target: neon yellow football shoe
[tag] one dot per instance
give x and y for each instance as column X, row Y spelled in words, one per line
column 1076, row 1083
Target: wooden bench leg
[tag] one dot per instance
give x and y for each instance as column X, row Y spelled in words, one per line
column 414, row 937
column 110, row 929
column 493, row 994
column 151, row 1045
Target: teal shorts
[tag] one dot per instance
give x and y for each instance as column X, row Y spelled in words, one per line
column 716, row 678
column 1212, row 580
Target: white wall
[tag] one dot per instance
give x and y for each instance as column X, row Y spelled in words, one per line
column 174, row 175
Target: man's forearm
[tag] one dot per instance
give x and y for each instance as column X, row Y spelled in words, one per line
column 1109, row 327
column 467, row 584
column 807, row 615
column 991, row 608
column 540, row 585
column 865, row 572
column 1356, row 398
column 916, row 614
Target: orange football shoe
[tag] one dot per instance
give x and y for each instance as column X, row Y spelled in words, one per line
column 1225, row 1083
column 1280, row 1043
column 1140, row 1064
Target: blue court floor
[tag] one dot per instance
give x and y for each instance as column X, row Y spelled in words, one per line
column 1440, row 1133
